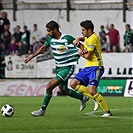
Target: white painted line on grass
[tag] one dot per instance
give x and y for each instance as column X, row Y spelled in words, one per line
column 93, row 113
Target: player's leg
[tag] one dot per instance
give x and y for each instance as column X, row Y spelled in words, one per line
column 84, row 90
column 100, row 100
column 91, row 92
column 96, row 106
column 50, row 86
column 92, row 89
column 95, row 76
column 64, row 74
column 80, row 81
column 80, row 78
column 70, row 92
column 74, row 94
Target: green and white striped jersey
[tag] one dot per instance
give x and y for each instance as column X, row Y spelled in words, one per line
column 64, row 52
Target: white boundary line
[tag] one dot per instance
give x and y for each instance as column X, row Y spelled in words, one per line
column 93, row 113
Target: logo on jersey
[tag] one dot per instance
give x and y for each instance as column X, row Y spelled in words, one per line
column 62, row 48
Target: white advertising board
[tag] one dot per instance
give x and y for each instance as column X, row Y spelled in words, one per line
column 16, row 68
column 24, row 87
column 129, row 88
column 117, row 65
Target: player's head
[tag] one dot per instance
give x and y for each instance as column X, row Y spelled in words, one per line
column 87, row 27
column 52, row 28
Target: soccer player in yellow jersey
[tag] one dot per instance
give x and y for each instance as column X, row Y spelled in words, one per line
column 90, row 75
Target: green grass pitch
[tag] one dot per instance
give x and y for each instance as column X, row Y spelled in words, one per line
column 63, row 116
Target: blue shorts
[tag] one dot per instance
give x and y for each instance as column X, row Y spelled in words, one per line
column 90, row 75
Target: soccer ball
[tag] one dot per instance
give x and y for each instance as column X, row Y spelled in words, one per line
column 7, row 110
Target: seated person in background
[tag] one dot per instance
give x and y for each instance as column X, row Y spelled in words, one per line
column 12, row 47
column 114, row 49
column 102, row 33
column 21, row 49
column 126, row 50
column 30, row 50
column 43, row 40
column 37, row 45
column 105, row 44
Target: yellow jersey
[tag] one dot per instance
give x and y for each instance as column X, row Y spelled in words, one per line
column 92, row 43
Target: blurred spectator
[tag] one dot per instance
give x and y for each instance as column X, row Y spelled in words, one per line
column 104, row 50
column 26, row 37
column 102, row 33
column 35, row 34
column 127, row 37
column 105, row 44
column 131, row 40
column 43, row 40
column 6, row 20
column 1, row 26
column 37, row 45
column 6, row 28
column 126, row 50
column 21, row 49
column 114, row 49
column 2, row 64
column 6, row 40
column 113, row 37
column 2, row 48
column 18, row 34
column 30, row 50
column 12, row 47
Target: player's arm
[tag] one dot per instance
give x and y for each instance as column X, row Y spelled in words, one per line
column 85, row 54
column 77, row 43
column 39, row 51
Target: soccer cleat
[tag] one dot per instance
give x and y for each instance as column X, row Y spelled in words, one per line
column 96, row 105
column 39, row 112
column 83, row 103
column 107, row 114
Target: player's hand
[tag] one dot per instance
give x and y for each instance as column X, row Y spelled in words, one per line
column 76, row 42
column 82, row 52
column 27, row 60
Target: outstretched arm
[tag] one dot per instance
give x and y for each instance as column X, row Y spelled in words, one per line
column 39, row 51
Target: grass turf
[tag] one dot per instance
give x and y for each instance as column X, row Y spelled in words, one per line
column 63, row 116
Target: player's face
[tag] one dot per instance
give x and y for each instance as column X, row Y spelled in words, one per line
column 84, row 32
column 50, row 32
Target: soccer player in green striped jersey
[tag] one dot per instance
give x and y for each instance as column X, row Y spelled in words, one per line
column 66, row 57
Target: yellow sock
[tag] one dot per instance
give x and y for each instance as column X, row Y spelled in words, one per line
column 100, row 100
column 84, row 90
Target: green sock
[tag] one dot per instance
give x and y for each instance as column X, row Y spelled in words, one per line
column 75, row 94
column 46, row 100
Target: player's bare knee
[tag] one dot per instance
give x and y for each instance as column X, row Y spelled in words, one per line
column 48, row 89
column 92, row 92
column 74, row 83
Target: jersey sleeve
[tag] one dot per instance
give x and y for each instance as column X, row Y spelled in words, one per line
column 47, row 42
column 90, row 45
column 69, row 38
